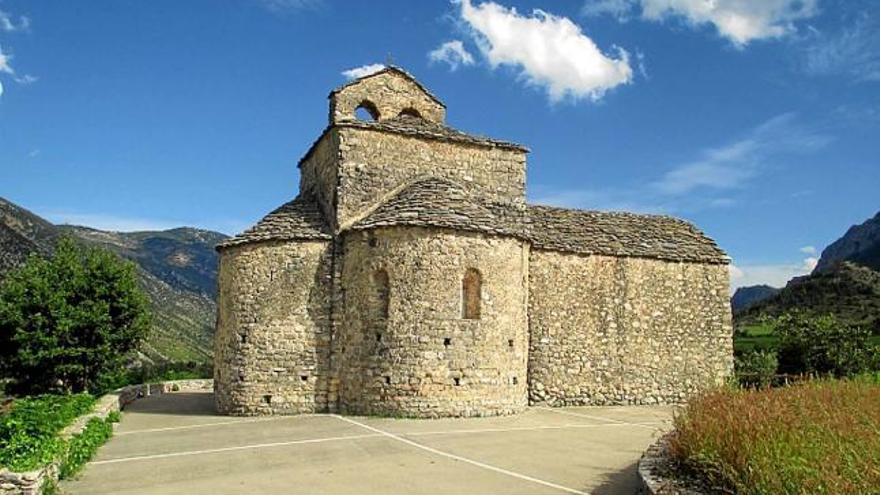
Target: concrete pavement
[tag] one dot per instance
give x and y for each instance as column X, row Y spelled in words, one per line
column 176, row 444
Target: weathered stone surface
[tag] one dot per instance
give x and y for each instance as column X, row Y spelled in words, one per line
column 352, row 297
column 386, row 94
column 613, row 330
column 424, row 359
column 272, row 344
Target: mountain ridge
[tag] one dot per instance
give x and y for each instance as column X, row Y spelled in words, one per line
column 177, row 269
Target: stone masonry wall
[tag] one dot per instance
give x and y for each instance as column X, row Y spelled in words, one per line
column 424, row 359
column 272, row 345
column 374, row 163
column 608, row 330
column 318, row 174
column 390, row 94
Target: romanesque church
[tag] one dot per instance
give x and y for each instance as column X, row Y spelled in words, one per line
column 410, row 277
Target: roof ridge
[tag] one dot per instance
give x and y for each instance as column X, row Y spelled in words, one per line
column 383, row 70
column 382, row 200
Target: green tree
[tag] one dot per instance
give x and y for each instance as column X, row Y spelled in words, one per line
column 68, row 320
column 823, row 345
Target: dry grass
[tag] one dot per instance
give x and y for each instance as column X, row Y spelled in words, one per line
column 816, row 437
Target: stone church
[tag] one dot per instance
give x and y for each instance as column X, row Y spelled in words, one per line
column 410, row 277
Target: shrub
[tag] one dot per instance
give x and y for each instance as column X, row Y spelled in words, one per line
column 814, row 437
column 68, row 320
column 822, row 345
column 29, row 430
column 82, row 447
column 756, row 368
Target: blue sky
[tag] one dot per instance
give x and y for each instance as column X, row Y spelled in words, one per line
column 756, row 119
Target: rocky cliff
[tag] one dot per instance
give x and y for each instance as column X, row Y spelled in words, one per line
column 860, row 245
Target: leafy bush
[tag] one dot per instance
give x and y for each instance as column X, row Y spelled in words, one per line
column 822, row 345
column 81, row 448
column 814, row 437
column 29, row 430
column 68, row 320
column 756, row 368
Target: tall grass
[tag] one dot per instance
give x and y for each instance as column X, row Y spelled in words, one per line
column 816, row 437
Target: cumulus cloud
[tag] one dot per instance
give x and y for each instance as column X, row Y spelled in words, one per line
column 740, row 21
column 364, row 70
column 453, row 53
column 808, row 250
column 549, row 51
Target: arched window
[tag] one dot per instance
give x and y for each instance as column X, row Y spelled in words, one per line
column 471, row 294
column 366, row 111
column 381, row 292
column 410, row 112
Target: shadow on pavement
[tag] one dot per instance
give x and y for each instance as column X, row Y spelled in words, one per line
column 623, row 482
column 177, row 403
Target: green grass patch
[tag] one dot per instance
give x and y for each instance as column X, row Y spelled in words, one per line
column 762, row 336
column 29, row 429
column 816, row 437
column 81, row 448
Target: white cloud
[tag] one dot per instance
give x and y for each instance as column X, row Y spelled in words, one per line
column 810, row 263
column 548, row 50
column 740, row 21
column 617, row 8
column 705, row 182
column 1, row 89
column 8, row 24
column 287, row 6
column 4, row 63
column 25, row 79
column 732, row 165
column 854, row 51
column 774, row 275
column 364, row 70
column 453, row 53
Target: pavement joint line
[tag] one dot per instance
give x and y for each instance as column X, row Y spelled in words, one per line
column 462, row 459
column 230, row 449
column 596, row 418
column 521, row 428
column 218, row 423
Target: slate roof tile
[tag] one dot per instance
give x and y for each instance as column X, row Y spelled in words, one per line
column 299, row 219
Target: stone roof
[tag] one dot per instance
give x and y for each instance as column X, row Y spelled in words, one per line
column 417, row 126
column 442, row 203
column 437, row 202
column 396, row 70
column 299, row 219
column 620, row 234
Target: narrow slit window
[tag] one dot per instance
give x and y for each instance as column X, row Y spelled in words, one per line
column 471, row 294
column 382, row 291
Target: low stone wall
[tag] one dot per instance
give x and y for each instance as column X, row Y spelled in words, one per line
column 653, row 468
column 31, row 482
